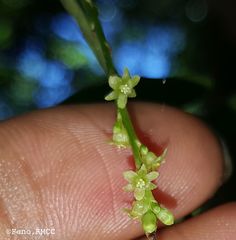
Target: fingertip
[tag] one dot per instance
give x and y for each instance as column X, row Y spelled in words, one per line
column 216, row 224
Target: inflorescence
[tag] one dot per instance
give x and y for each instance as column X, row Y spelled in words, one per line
column 144, row 207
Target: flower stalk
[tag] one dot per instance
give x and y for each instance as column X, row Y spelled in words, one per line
column 144, row 208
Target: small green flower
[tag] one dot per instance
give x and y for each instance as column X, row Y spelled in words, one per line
column 140, row 181
column 122, row 88
column 151, row 161
column 165, row 216
column 139, row 208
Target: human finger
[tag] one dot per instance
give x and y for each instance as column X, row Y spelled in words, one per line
column 58, row 162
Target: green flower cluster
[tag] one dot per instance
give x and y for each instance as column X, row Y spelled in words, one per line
column 148, row 211
column 149, row 158
column 145, row 208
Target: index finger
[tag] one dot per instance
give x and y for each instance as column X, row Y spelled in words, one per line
column 62, row 166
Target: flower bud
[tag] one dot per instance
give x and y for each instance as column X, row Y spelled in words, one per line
column 149, row 222
column 143, row 150
column 120, row 136
column 165, row 216
column 161, row 158
column 139, row 208
column 150, row 158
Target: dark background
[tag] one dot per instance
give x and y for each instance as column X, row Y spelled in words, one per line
column 184, row 50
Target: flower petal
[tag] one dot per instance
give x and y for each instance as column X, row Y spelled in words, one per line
column 150, row 158
column 139, row 193
column 122, row 100
column 114, row 82
column 161, row 158
column 134, row 81
column 128, row 188
column 126, row 75
column 129, row 175
column 152, row 176
column 111, row 96
column 152, row 186
column 132, row 94
column 139, row 208
column 142, row 170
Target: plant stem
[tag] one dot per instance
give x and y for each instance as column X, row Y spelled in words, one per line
column 86, row 15
column 132, row 136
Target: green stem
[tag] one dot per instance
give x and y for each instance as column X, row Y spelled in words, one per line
column 132, row 136
column 86, row 15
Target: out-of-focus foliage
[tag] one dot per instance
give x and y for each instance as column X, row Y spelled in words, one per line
column 184, row 50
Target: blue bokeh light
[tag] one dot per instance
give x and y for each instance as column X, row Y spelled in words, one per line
column 93, row 63
column 152, row 55
column 166, row 38
column 47, row 97
column 53, row 78
column 149, row 54
column 65, row 27
column 5, row 110
column 107, row 11
column 30, row 61
column 55, row 74
column 113, row 27
column 111, row 19
column 128, row 55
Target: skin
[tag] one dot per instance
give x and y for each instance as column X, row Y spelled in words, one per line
column 57, row 171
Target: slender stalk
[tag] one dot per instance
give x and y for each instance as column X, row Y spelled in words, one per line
column 132, row 136
column 86, row 15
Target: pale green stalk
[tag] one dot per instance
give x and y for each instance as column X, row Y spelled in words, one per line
column 86, row 15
